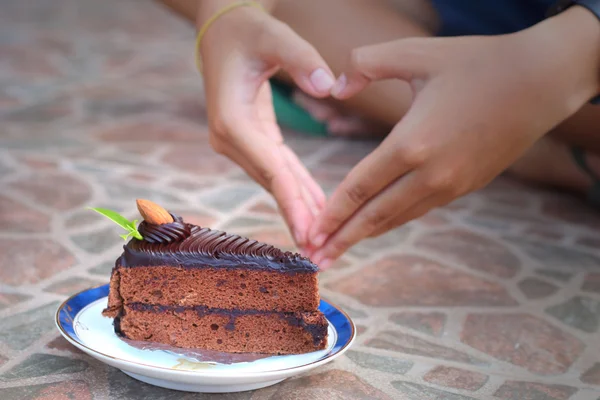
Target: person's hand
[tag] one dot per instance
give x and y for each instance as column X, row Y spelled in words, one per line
column 240, row 52
column 479, row 103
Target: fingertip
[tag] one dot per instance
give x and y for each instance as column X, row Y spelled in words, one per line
column 339, row 86
column 299, row 238
column 322, row 81
column 313, row 232
column 317, row 258
column 347, row 86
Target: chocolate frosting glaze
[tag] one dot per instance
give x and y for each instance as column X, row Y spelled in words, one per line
column 191, row 246
column 165, row 233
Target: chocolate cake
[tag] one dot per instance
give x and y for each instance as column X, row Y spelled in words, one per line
column 193, row 287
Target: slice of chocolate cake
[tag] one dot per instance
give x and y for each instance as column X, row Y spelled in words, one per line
column 194, row 287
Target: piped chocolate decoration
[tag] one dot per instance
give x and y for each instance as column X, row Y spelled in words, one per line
column 175, row 231
column 206, row 248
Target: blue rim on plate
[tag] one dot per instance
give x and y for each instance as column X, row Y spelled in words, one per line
column 68, row 310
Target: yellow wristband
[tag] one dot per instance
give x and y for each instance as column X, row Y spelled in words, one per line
column 215, row 17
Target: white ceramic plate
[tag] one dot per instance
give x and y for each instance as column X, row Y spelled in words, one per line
column 80, row 321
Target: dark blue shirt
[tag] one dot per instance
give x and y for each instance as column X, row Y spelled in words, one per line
column 489, row 17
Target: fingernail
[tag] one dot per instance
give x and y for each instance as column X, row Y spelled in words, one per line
column 319, row 240
column 321, row 80
column 339, row 85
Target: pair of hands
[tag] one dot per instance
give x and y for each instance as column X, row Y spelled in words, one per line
column 479, row 103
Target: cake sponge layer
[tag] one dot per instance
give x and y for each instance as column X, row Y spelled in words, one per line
column 215, row 288
column 224, row 330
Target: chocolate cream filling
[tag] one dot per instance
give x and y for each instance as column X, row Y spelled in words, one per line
column 317, row 331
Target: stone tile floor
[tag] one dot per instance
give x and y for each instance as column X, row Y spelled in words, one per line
column 494, row 296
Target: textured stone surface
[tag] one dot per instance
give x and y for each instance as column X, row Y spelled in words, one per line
column 592, row 375
column 21, row 330
column 579, row 312
column 544, row 233
column 122, row 386
column 507, row 193
column 196, row 217
column 354, row 312
column 559, row 276
column 199, row 160
column 554, row 256
column 474, row 251
column 431, row 323
column 104, row 268
column 73, row 285
column 409, row 344
column 380, row 363
column 98, row 241
column 50, row 391
column 8, row 299
column 392, row 239
column 334, row 384
column 152, row 131
column 228, row 198
column 513, row 390
column 58, row 191
column 417, row 281
column 244, row 223
column 593, row 242
column 456, row 378
column 140, row 177
column 31, row 260
column 264, row 208
column 591, row 283
column 82, row 219
column 124, row 191
column 189, row 185
column 415, row 391
column 510, row 215
column 523, row 340
column 44, row 364
column 536, row 289
column 434, row 218
column 40, row 113
column 17, row 217
column 61, row 344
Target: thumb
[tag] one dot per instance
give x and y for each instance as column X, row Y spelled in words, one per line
column 285, row 48
column 404, row 59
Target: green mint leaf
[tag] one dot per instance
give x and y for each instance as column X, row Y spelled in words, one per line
column 113, row 216
column 129, row 226
column 133, row 224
